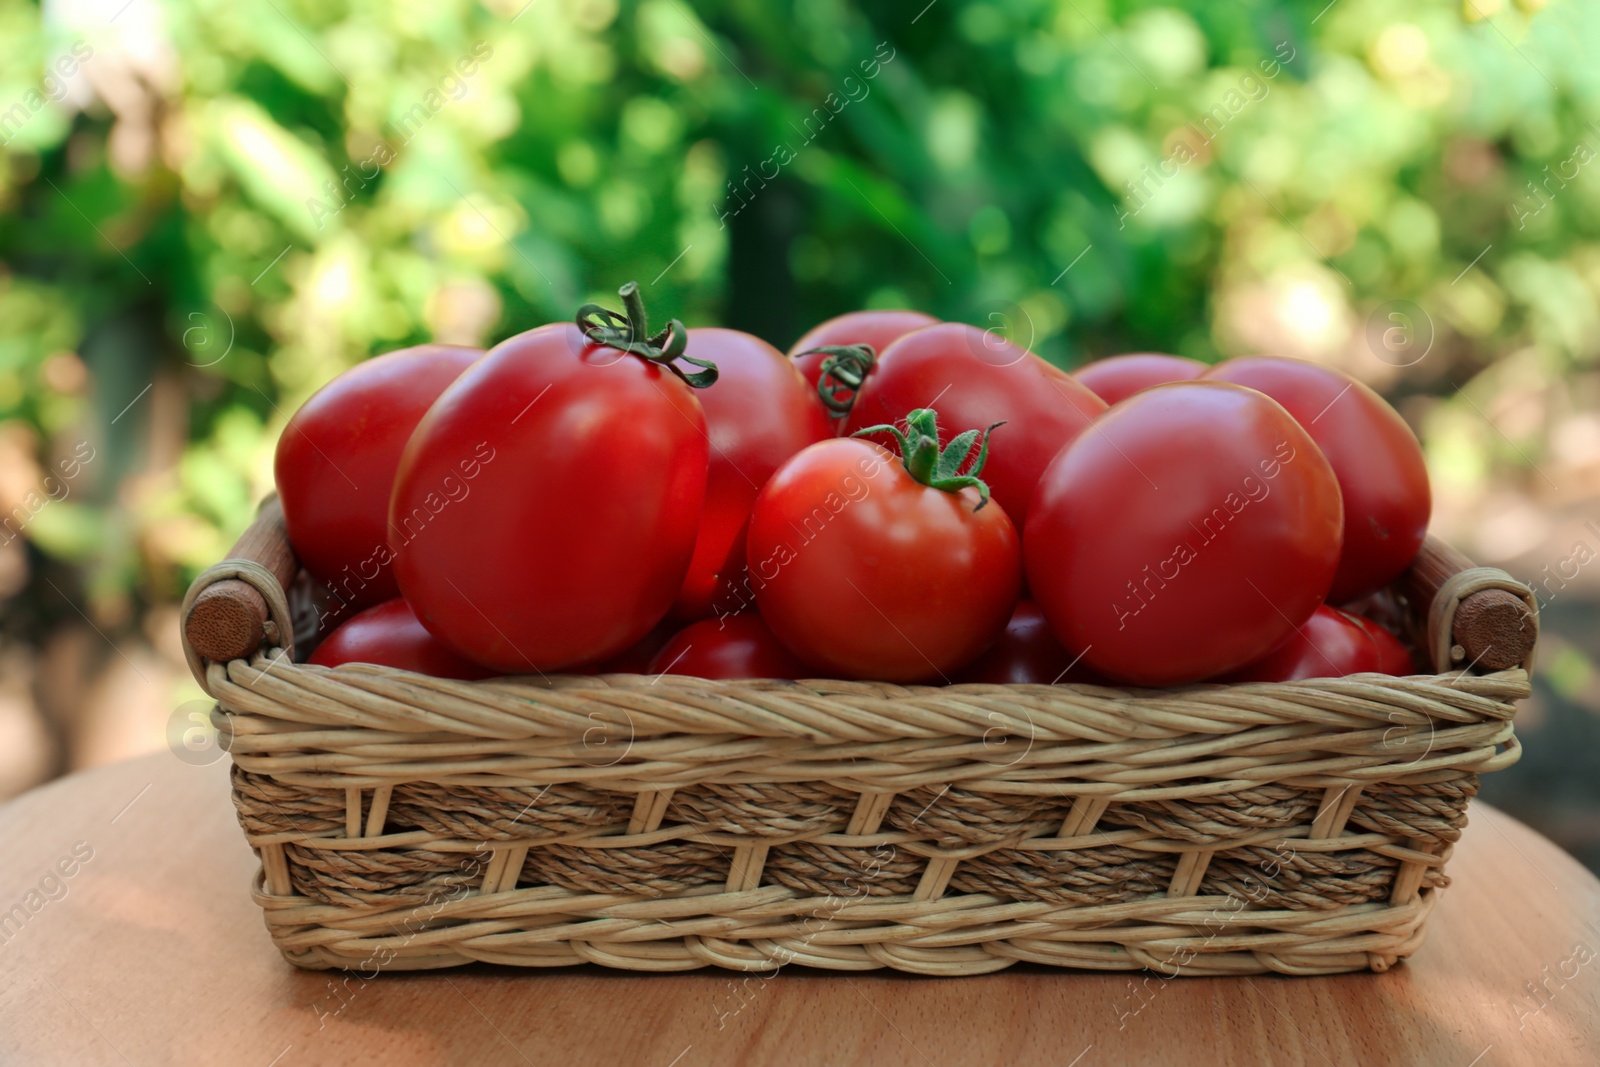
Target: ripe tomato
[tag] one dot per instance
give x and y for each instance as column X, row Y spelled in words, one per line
column 547, row 507
column 1330, row 644
column 973, row 378
column 758, row 413
column 1393, row 656
column 875, row 329
column 866, row 570
column 738, row 646
column 336, row 462
column 1026, row 652
column 1387, row 502
column 635, row 659
column 1190, row 534
column 391, row 636
column 1119, row 377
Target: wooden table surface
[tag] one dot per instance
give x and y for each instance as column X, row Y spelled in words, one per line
column 151, row 952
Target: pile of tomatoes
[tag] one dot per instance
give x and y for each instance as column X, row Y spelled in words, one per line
column 898, row 499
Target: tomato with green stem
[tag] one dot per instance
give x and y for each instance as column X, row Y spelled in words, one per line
column 868, row 566
column 836, row 356
column 547, row 507
column 974, row 378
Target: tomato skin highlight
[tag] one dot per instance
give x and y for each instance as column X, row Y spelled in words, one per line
column 1187, row 536
column 1027, row 653
column 865, row 573
column 1330, row 644
column 1381, row 471
column 879, row 329
column 758, row 414
column 390, row 636
column 974, row 379
column 738, row 646
column 1116, row 378
column 336, row 461
column 547, row 506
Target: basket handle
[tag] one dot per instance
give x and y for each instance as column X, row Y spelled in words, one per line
column 242, row 602
column 1476, row 617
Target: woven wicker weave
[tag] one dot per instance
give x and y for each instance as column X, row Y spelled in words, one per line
column 671, row 823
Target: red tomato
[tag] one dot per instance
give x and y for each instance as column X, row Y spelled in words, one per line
column 737, row 646
column 1119, row 377
column 877, row 329
column 390, row 636
column 547, row 507
column 865, row 571
column 1026, row 652
column 759, row 413
column 1330, row 644
column 336, row 462
column 635, row 659
column 1375, row 455
column 1393, row 656
column 1187, row 536
column 973, row 378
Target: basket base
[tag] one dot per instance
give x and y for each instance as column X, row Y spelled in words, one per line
column 766, row 929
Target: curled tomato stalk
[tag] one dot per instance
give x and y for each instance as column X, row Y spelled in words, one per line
column 843, row 369
column 857, row 338
column 629, row 331
column 940, row 468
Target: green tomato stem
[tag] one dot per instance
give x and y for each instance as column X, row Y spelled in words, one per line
column 940, row 468
column 629, row 331
column 843, row 371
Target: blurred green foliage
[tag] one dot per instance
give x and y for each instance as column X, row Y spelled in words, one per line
column 207, row 209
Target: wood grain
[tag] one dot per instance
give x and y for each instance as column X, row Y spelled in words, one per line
column 156, row 955
column 229, row 619
column 1493, row 628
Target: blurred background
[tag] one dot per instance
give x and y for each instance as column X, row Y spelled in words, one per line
column 208, row 209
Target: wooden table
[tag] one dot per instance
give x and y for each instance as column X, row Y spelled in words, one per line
column 151, row 952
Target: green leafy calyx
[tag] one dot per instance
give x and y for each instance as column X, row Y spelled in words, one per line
column 947, row 468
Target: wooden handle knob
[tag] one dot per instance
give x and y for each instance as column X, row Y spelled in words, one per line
column 1494, row 629
column 230, row 619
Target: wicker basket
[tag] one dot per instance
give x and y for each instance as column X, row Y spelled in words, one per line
column 670, row 823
